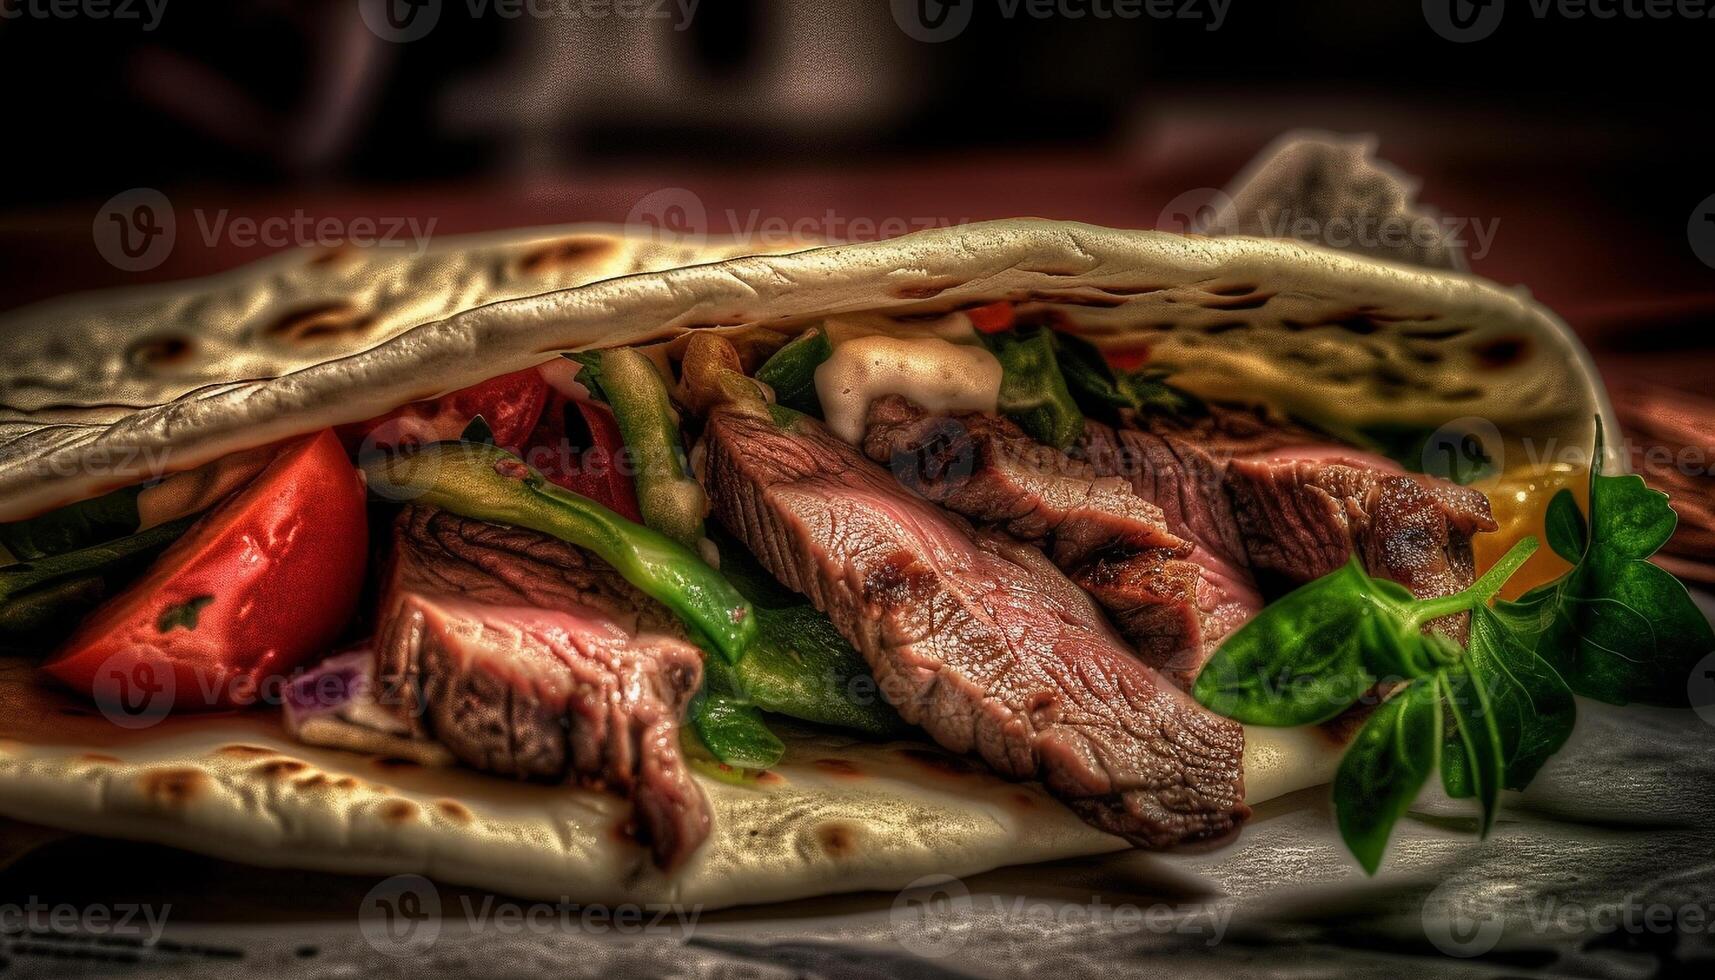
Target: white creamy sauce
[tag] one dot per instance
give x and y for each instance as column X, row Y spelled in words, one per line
column 1279, row 761
column 937, row 374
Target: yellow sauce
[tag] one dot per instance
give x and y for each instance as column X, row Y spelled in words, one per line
column 1520, row 498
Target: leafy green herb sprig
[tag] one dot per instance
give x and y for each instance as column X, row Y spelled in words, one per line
column 1487, row 715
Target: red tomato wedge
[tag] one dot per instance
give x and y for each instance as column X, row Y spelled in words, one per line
column 578, row 447
column 993, row 318
column 510, row 404
column 262, row 584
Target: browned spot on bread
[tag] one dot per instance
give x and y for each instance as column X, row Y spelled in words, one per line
column 99, row 758
column 937, row 762
column 1255, row 301
column 317, row 323
column 1224, row 326
column 279, row 768
column 347, row 782
column 1358, row 323
column 398, row 811
column 455, row 811
column 1105, row 302
column 1435, row 333
column 926, row 290
column 394, row 762
column 1024, row 800
column 173, row 787
column 769, row 777
column 838, row 839
column 839, row 767
column 1130, row 290
column 313, row 781
column 160, row 350
column 563, row 254
column 240, row 750
column 1502, row 352
column 1234, row 289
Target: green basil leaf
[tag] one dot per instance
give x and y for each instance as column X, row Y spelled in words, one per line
column 76, row 526
column 1472, row 763
column 1616, row 627
column 1565, row 527
column 1533, row 708
column 1033, row 392
column 1385, row 768
column 1298, row 662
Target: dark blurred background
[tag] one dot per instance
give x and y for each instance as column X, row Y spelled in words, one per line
column 1579, row 139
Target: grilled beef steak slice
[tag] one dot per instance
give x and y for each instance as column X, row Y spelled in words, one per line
column 1187, row 482
column 991, row 471
column 1259, row 495
column 1305, row 512
column 1112, row 542
column 975, row 637
column 527, row 658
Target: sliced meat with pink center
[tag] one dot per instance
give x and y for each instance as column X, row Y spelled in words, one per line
column 525, row 658
column 976, row 637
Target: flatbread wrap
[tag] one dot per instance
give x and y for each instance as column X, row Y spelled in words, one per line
column 625, row 570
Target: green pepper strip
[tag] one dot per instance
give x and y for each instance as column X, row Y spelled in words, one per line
column 1033, row 392
column 791, row 371
column 670, row 501
column 24, row 576
column 490, row 484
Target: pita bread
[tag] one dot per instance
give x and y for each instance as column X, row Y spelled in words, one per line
column 95, row 401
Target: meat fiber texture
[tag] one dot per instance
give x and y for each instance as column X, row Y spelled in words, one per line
column 525, row 659
column 976, row 637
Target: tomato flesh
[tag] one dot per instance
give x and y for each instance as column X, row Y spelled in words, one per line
column 261, row 585
column 510, row 404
